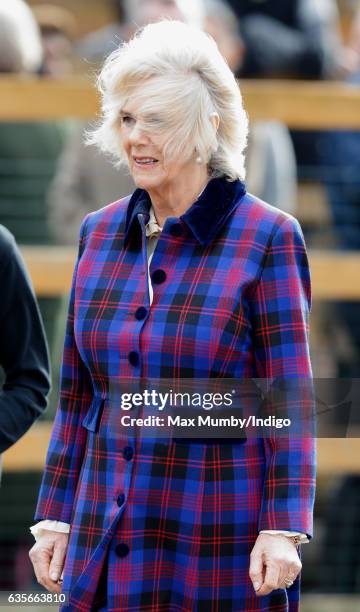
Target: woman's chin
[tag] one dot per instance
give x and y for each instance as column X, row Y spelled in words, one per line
column 144, row 182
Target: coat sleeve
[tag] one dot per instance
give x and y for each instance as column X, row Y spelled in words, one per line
column 280, row 317
column 23, row 349
column 68, row 438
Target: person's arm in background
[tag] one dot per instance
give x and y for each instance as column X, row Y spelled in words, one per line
column 23, row 349
column 309, row 48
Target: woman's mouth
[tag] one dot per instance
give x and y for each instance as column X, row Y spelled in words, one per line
column 145, row 161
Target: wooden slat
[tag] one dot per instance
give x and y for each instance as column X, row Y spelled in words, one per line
column 29, row 452
column 29, row 99
column 303, row 104
column 335, row 455
column 334, row 274
column 338, row 456
column 300, row 104
column 50, row 268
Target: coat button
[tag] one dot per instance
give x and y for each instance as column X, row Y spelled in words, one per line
column 176, row 230
column 158, row 277
column 141, row 313
column 128, row 453
column 122, row 549
column 134, row 358
column 121, row 499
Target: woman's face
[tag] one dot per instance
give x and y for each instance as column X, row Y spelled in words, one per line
column 145, row 153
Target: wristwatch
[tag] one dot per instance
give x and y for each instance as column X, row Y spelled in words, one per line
column 295, row 539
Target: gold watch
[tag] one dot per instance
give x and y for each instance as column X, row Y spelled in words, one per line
column 295, row 539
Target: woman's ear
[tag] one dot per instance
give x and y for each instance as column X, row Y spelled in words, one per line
column 215, row 120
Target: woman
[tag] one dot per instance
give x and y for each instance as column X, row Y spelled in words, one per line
column 190, row 277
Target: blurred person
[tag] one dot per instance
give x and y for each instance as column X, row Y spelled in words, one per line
column 340, row 158
column 158, row 292
column 289, row 38
column 85, row 180
column 351, row 56
column 132, row 14
column 271, row 163
column 221, row 22
column 21, row 49
column 58, row 30
column 296, row 39
column 339, row 152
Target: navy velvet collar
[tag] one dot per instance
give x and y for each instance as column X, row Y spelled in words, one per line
column 205, row 217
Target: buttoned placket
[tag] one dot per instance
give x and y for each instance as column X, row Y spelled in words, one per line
column 150, row 234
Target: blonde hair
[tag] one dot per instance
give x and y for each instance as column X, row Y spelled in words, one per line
column 178, row 76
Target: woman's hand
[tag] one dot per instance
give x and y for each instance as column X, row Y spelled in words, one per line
column 273, row 559
column 48, row 557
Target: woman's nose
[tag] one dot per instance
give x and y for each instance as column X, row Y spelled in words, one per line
column 137, row 134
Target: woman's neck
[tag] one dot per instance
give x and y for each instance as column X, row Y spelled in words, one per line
column 178, row 197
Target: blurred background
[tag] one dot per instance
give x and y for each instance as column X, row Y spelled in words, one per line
column 298, row 65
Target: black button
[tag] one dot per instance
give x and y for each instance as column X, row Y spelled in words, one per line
column 176, row 230
column 121, row 499
column 141, row 313
column 158, row 277
column 122, row 549
column 128, row 453
column 134, row 358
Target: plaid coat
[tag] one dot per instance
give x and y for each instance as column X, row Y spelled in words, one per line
column 170, row 527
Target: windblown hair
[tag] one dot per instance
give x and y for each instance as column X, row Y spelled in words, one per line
column 178, row 77
column 20, row 42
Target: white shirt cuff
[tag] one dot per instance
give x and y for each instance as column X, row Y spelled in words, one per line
column 37, row 530
column 303, row 537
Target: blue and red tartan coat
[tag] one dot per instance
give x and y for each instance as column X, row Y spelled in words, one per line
column 170, row 527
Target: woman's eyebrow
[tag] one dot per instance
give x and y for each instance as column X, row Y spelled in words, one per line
column 124, row 112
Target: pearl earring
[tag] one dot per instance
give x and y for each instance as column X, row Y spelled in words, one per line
column 198, row 159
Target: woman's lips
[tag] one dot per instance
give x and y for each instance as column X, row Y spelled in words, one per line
column 145, row 161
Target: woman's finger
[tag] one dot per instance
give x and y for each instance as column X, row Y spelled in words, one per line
column 41, row 562
column 57, row 561
column 256, row 569
column 47, row 556
column 271, row 580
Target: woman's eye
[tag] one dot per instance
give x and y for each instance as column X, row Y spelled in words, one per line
column 126, row 119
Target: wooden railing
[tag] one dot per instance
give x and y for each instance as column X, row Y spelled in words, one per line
column 299, row 104
column 335, row 455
